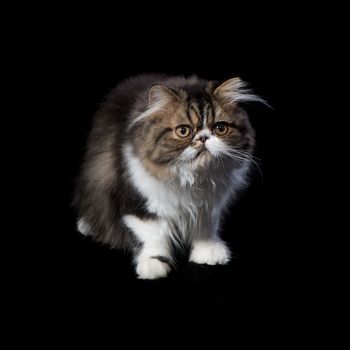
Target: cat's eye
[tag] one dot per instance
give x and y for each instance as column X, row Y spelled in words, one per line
column 220, row 128
column 183, row 131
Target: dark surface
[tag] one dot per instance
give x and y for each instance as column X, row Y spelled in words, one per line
column 260, row 228
column 265, row 283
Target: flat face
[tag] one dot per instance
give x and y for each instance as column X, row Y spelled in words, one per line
column 199, row 130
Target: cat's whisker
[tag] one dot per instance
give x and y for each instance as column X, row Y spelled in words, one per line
column 259, row 169
column 247, row 154
column 250, row 159
column 220, row 160
column 235, row 156
column 239, row 160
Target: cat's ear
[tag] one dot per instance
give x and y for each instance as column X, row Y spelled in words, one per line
column 235, row 90
column 161, row 95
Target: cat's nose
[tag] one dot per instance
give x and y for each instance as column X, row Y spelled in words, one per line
column 203, row 138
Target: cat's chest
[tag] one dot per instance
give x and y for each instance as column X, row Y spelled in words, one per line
column 175, row 201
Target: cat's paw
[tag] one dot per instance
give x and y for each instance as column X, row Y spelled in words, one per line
column 151, row 268
column 210, row 252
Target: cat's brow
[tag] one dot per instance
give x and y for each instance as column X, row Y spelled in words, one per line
column 210, row 112
column 195, row 108
column 205, row 113
column 193, row 112
column 188, row 114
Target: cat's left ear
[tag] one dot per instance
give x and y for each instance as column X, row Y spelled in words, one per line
column 235, row 90
column 161, row 95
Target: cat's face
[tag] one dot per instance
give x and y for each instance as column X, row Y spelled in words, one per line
column 195, row 129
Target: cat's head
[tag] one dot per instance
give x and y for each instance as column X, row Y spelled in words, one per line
column 195, row 126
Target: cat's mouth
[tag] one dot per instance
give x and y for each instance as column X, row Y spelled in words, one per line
column 201, row 152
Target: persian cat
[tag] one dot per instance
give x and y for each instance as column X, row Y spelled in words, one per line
column 164, row 158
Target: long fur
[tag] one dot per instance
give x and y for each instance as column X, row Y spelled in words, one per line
column 142, row 185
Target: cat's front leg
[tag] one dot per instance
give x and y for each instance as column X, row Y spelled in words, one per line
column 154, row 258
column 207, row 247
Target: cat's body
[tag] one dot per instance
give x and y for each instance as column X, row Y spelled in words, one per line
column 164, row 158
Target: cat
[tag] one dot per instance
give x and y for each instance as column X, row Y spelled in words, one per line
column 164, row 158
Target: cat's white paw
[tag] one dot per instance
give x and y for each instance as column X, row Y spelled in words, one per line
column 150, row 269
column 210, row 252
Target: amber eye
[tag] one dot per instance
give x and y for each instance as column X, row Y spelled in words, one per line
column 183, row 131
column 220, row 128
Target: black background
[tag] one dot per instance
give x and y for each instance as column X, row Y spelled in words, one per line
column 74, row 58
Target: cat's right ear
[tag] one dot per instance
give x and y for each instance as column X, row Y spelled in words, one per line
column 160, row 95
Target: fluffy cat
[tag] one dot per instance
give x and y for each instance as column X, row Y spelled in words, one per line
column 164, row 158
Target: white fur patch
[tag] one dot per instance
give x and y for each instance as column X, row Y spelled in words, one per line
column 166, row 199
column 151, row 269
column 146, row 230
column 83, row 227
column 154, row 236
column 210, row 252
column 216, row 146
